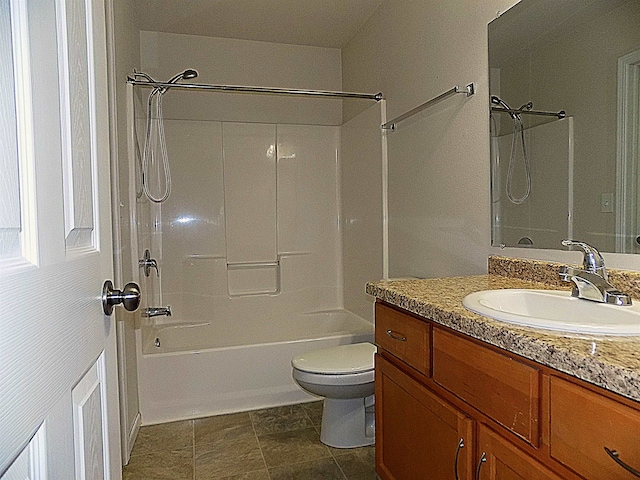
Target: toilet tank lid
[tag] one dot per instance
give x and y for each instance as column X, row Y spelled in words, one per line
column 353, row 358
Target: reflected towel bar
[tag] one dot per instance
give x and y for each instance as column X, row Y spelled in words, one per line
column 468, row 91
column 560, row 114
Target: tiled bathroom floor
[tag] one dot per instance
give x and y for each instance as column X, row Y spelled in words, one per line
column 281, row 443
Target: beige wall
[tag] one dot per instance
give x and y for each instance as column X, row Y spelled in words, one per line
column 361, row 209
column 439, row 171
column 439, row 215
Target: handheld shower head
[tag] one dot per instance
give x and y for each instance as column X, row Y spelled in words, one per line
column 186, row 75
column 189, row 74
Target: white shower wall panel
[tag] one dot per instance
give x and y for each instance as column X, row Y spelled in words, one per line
column 249, row 154
column 545, row 216
column 192, row 219
column 308, row 204
column 196, row 243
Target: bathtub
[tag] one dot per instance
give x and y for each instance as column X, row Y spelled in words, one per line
column 191, row 374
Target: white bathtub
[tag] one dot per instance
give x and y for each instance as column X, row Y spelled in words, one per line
column 192, row 375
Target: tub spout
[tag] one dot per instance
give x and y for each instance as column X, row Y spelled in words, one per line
column 156, row 311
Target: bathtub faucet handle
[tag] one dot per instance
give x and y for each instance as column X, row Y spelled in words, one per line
column 148, row 263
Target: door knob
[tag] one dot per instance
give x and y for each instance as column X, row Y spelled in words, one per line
column 129, row 297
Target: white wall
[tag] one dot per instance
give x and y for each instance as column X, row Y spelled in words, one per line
column 227, row 61
column 412, row 51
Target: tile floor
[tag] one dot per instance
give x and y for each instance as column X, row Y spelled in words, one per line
column 281, row 443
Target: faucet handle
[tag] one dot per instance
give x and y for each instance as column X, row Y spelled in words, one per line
column 592, row 261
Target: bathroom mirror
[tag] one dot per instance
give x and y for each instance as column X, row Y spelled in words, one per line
column 564, row 85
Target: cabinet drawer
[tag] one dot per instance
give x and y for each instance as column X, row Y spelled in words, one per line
column 403, row 336
column 583, row 423
column 499, row 386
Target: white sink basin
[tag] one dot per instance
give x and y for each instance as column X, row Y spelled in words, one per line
column 555, row 310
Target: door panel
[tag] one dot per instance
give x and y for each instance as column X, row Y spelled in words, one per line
column 52, row 329
column 88, row 431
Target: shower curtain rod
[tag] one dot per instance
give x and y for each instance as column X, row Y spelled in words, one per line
column 262, row 90
column 560, row 114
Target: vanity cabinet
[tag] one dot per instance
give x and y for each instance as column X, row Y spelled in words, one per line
column 437, row 389
column 408, row 410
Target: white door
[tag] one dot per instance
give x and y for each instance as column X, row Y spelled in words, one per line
column 58, row 388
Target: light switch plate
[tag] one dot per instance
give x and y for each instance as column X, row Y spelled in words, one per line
column 606, row 203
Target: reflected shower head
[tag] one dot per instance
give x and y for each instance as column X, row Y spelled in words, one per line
column 498, row 101
column 526, row 106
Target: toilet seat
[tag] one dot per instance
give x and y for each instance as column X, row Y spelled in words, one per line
column 359, row 378
column 349, row 360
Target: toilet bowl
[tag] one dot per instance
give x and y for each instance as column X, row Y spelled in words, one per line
column 344, row 377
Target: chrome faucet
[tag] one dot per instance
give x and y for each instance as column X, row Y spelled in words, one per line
column 592, row 281
column 156, row 311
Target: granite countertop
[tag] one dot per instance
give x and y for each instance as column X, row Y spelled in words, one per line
column 610, row 362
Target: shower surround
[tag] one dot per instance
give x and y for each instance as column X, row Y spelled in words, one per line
column 250, row 261
column 258, row 257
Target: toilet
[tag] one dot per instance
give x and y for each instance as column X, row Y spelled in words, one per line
column 344, row 376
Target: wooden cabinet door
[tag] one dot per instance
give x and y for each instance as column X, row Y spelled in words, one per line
column 417, row 433
column 504, row 461
column 584, row 425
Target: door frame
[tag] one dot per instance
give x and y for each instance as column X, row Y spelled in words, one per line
column 628, row 150
column 127, row 435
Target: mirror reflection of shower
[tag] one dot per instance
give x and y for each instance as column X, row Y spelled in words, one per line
column 155, row 137
column 518, row 139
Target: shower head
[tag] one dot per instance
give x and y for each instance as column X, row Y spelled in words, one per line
column 186, row 75
column 189, row 74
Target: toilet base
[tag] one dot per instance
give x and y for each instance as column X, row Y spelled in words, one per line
column 345, row 423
